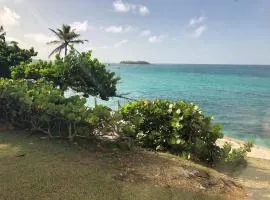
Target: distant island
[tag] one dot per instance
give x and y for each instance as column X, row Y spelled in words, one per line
column 135, row 62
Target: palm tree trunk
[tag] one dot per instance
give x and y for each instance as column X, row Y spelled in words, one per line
column 65, row 50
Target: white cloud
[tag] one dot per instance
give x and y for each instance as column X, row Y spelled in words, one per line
column 9, row 17
column 145, row 33
column 120, row 29
column 114, row 29
column 120, row 6
column 198, row 25
column 197, row 20
column 129, row 28
column 157, row 38
column 40, row 37
column 121, row 43
column 80, row 26
column 143, row 10
column 199, row 31
column 123, row 7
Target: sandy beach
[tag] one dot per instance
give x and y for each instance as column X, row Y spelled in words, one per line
column 256, row 151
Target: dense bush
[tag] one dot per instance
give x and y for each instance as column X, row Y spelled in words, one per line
column 77, row 71
column 39, row 106
column 178, row 127
column 234, row 158
column 11, row 55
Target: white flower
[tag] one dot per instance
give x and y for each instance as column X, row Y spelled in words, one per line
column 122, row 122
column 212, row 118
column 171, row 106
column 140, row 135
column 178, row 111
column 196, row 107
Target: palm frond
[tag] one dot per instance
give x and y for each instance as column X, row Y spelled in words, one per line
column 78, row 41
column 57, row 49
column 57, row 34
column 54, row 42
column 60, row 32
column 71, row 36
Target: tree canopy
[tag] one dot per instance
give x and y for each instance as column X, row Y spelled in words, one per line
column 2, row 34
column 11, row 55
column 77, row 71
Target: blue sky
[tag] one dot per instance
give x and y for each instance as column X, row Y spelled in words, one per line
column 159, row 31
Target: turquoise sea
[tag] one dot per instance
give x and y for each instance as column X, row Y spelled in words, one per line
column 238, row 96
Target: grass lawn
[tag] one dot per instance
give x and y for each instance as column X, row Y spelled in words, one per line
column 32, row 167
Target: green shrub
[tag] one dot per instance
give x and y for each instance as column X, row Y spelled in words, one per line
column 173, row 126
column 178, row 127
column 234, row 158
column 39, row 106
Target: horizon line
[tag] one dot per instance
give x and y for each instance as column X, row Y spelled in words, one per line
column 161, row 63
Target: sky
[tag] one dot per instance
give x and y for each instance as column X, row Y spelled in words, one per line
column 158, row 31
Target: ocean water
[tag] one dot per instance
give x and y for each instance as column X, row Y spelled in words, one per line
column 238, row 96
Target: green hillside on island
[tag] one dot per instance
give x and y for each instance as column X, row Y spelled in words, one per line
column 135, row 62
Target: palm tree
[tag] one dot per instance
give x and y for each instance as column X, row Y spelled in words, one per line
column 66, row 38
column 2, row 34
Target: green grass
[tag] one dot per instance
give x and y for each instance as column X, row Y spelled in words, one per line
column 35, row 168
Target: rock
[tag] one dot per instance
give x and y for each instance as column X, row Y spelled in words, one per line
column 203, row 174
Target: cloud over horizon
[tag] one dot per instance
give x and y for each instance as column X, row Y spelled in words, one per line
column 120, row 29
column 198, row 26
column 157, row 38
column 124, row 7
column 81, row 26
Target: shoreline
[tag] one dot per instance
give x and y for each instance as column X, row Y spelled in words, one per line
column 256, row 151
